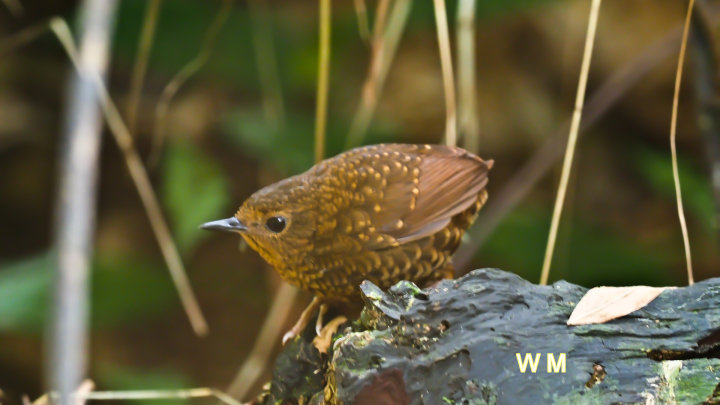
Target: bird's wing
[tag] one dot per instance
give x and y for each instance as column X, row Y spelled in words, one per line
column 407, row 192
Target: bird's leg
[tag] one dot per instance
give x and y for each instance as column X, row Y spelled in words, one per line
column 304, row 319
column 319, row 323
column 324, row 338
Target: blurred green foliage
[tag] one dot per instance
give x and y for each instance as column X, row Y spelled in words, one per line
column 194, row 191
column 289, row 147
column 130, row 284
column 132, row 379
column 123, row 289
column 24, row 288
column 656, row 168
column 597, row 256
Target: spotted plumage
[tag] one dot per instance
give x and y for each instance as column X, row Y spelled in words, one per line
column 384, row 213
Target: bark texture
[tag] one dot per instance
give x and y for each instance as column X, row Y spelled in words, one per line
column 457, row 343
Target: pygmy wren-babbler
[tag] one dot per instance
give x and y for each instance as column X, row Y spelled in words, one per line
column 382, row 213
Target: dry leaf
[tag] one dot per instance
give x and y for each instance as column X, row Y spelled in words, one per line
column 602, row 304
column 322, row 341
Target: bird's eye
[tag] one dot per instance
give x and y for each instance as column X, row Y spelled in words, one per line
column 276, row 224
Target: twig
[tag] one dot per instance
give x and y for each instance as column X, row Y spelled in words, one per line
column 377, row 73
column 163, row 105
column 373, row 81
column 323, row 78
column 15, row 7
column 377, row 52
column 542, row 161
column 23, row 37
column 447, row 72
column 273, row 105
column 673, row 148
column 147, row 35
column 259, row 356
column 140, row 178
column 286, row 295
column 379, row 25
column 468, row 124
column 572, row 140
column 76, row 203
column 84, row 394
column 159, row 394
column 362, row 19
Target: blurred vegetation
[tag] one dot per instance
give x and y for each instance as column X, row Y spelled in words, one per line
column 620, row 227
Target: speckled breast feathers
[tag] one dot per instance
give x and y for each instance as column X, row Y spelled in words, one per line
column 384, row 213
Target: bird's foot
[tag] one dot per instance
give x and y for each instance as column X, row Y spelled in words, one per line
column 307, row 314
column 324, row 338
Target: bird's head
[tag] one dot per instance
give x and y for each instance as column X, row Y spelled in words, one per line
column 275, row 221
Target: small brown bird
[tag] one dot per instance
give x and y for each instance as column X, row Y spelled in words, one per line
column 383, row 213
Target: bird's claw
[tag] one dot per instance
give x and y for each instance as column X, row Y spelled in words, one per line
column 289, row 335
column 319, row 323
column 305, row 318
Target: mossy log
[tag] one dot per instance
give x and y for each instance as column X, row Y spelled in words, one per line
column 458, row 343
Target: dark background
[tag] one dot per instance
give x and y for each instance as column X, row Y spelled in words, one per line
column 620, row 224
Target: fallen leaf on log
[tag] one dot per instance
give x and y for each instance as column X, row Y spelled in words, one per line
column 603, row 304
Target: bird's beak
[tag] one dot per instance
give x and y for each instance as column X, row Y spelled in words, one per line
column 227, row 225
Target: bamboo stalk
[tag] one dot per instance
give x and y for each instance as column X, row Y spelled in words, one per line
column 141, row 179
column 76, row 203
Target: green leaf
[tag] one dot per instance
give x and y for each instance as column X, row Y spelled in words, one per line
column 290, row 147
column 24, row 290
column 127, row 289
column 124, row 289
column 595, row 256
column 656, row 168
column 195, row 191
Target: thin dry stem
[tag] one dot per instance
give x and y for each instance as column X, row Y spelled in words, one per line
column 370, row 88
column 163, row 105
column 273, row 105
column 572, row 139
column 15, row 7
column 256, row 362
column 23, row 37
column 447, row 71
column 673, row 148
column 147, row 36
column 606, row 96
column 362, row 19
column 142, row 183
column 380, row 18
column 159, row 394
column 323, row 78
column 468, row 123
column 379, row 66
column 259, row 356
